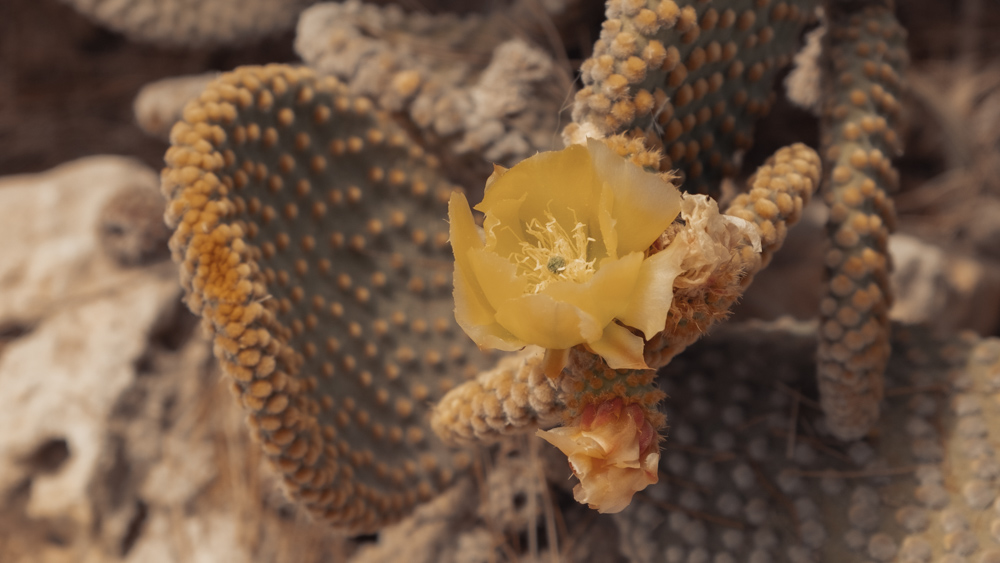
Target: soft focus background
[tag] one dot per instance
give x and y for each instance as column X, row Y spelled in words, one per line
column 118, row 438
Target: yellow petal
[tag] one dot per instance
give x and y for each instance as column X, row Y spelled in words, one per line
column 478, row 319
column 644, row 205
column 654, row 291
column 545, row 322
column 607, row 294
column 503, row 228
column 498, row 171
column 620, row 348
column 462, row 230
column 472, row 309
column 464, row 237
column 607, row 223
column 497, row 277
column 559, row 182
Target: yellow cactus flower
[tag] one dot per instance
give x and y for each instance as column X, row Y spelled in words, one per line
column 613, row 450
column 562, row 256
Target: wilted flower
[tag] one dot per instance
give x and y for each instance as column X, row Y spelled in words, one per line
column 613, row 451
column 563, row 255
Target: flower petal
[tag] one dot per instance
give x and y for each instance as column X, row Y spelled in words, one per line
column 543, row 321
column 607, row 293
column 654, row 291
column 462, row 230
column 478, row 319
column 503, row 227
column 644, row 205
column 497, row 277
column 498, row 171
column 465, row 236
column 473, row 311
column 560, row 182
column 570, row 441
column 620, row 348
column 607, row 223
column 604, row 449
column 609, row 492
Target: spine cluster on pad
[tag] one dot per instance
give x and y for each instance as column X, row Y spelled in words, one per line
column 688, row 77
column 309, row 234
column 864, row 58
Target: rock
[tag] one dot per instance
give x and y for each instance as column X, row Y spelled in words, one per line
column 62, row 381
column 48, row 222
column 87, row 326
column 131, row 228
column 119, row 441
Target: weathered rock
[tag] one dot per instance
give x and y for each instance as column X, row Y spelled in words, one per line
column 51, row 250
column 475, row 92
column 61, row 383
column 119, row 441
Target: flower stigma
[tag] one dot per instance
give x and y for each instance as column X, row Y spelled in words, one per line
column 556, row 264
column 557, row 255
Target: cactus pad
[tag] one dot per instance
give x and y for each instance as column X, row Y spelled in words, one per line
column 311, row 238
column 690, row 77
column 865, row 53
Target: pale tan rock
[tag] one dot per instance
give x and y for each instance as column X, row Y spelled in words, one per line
column 48, row 222
column 203, row 538
column 83, row 418
column 89, row 325
column 119, row 441
column 61, row 381
column 474, row 87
